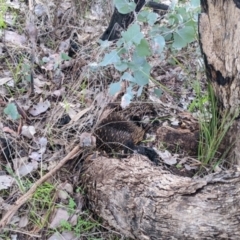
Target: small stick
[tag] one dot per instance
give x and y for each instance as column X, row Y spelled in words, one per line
column 23, row 199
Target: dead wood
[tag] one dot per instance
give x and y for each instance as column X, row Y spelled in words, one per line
column 144, row 202
column 175, row 138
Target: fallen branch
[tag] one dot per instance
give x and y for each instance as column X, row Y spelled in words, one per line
column 142, row 201
column 7, row 217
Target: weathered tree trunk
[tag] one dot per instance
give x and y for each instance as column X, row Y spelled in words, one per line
column 219, row 31
column 144, row 202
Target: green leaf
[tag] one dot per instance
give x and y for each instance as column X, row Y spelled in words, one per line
column 152, row 18
column 110, row 58
column 183, row 36
column 2, row 23
column 121, row 66
column 142, row 76
column 143, row 48
column 65, row 57
column 172, row 19
column 182, row 15
column 141, row 69
column 159, row 43
column 114, row 88
column 158, row 92
column 139, row 92
column 133, row 34
column 142, row 16
column 124, row 6
column 120, row 42
column 127, row 76
column 195, row 3
column 11, row 111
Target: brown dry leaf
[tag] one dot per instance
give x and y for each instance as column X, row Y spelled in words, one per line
column 66, row 235
column 87, row 140
column 63, row 195
column 167, row 157
column 80, row 114
column 28, row 131
column 65, row 5
column 13, row 4
column 40, row 10
column 90, row 29
column 9, row 130
column 79, row 199
column 59, row 92
column 23, row 222
column 25, row 169
column 42, row 143
column 4, row 80
column 66, row 186
column 18, row 162
column 38, row 90
column 40, row 83
column 189, row 167
column 51, row 62
column 32, row 32
column 64, row 45
column 35, row 156
column 14, row 38
column 6, row 181
column 41, row 107
column 60, row 214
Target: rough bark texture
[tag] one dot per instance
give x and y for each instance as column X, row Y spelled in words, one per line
column 144, row 202
column 219, row 31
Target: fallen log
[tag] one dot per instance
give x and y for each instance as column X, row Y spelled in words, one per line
column 144, row 202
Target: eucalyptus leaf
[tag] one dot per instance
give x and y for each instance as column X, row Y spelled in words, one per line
column 11, row 111
column 152, row 18
column 65, row 57
column 195, row 3
column 114, row 88
column 110, row 58
column 127, row 76
column 124, row 6
column 142, row 76
column 158, row 92
column 121, row 66
column 139, row 92
column 143, row 49
column 133, row 34
column 159, row 43
column 183, row 36
column 142, row 16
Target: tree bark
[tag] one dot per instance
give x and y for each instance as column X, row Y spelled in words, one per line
column 144, row 202
column 219, row 31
